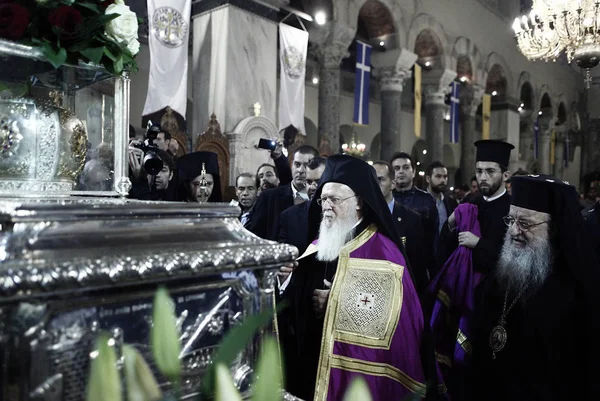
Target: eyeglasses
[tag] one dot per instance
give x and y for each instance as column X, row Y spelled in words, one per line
column 333, row 200
column 523, row 225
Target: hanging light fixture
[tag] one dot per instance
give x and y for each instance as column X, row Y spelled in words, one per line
column 557, row 26
column 355, row 148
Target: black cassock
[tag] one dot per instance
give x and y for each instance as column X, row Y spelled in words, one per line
column 547, row 353
column 301, row 329
column 487, row 251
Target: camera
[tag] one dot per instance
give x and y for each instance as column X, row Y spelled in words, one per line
column 152, row 162
column 268, row 144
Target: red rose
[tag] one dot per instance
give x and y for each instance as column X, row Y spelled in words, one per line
column 14, row 21
column 68, row 21
column 104, row 3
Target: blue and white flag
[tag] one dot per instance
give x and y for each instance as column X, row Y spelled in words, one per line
column 536, row 134
column 454, row 112
column 361, row 87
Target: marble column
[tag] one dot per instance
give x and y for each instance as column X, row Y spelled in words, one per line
column 546, row 126
column 329, row 57
column 393, row 68
column 559, row 149
column 470, row 99
column 436, row 85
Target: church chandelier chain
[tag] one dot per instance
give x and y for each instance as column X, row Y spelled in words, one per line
column 556, row 26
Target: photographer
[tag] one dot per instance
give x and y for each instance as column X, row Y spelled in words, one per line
column 158, row 187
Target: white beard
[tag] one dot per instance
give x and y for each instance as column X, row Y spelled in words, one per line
column 332, row 239
column 525, row 269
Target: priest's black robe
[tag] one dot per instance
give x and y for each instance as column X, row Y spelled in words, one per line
column 547, row 356
column 302, row 342
column 493, row 229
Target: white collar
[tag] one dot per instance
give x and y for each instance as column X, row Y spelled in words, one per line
column 493, row 198
column 303, row 194
column 357, row 223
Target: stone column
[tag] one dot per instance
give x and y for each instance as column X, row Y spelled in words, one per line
column 330, row 56
column 559, row 149
column 546, row 125
column 436, row 86
column 330, row 44
column 470, row 99
column 393, row 68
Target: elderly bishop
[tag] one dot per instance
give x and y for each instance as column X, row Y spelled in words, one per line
column 353, row 308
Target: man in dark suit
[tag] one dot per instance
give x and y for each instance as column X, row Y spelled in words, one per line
column 246, row 192
column 294, row 221
column 436, row 176
column 412, row 197
column 409, row 227
column 272, row 202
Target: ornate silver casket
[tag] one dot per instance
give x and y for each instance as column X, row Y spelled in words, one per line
column 70, row 268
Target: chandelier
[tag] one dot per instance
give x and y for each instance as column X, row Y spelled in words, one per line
column 554, row 26
column 354, row 149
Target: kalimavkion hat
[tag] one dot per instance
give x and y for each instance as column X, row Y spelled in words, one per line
column 491, row 150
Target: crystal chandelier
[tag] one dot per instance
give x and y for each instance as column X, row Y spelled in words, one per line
column 354, row 149
column 554, row 26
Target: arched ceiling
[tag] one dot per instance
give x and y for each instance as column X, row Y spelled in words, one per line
column 526, row 96
column 546, row 102
column 375, row 20
column 428, row 48
column 464, row 67
column 496, row 80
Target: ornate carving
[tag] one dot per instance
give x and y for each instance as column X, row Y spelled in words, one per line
column 393, row 78
column 169, row 123
column 330, row 55
column 436, row 85
column 27, row 187
column 213, row 140
column 471, row 98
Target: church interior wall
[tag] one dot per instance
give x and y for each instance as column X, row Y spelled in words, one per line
column 484, row 31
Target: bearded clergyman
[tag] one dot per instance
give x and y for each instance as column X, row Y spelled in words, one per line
column 536, row 327
column 492, row 201
column 353, row 308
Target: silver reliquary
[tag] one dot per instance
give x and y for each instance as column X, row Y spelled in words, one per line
column 62, row 131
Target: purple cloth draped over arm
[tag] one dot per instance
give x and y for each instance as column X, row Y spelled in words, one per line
column 453, row 290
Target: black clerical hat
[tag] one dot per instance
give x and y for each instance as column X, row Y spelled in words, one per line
column 542, row 193
column 491, row 150
column 189, row 167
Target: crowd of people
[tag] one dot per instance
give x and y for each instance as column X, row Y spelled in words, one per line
column 487, row 292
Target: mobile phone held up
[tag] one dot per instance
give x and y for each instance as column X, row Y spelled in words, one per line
column 268, row 144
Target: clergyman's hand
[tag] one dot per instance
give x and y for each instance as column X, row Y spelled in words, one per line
column 468, row 239
column 320, row 298
column 286, row 270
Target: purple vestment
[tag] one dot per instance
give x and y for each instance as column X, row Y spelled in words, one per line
column 373, row 324
column 454, row 290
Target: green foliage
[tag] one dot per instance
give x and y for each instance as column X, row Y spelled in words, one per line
column 235, row 341
column 104, row 383
column 164, row 336
column 73, row 42
column 268, row 381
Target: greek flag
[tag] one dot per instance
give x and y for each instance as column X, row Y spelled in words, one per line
column 536, row 134
column 361, row 87
column 454, row 112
